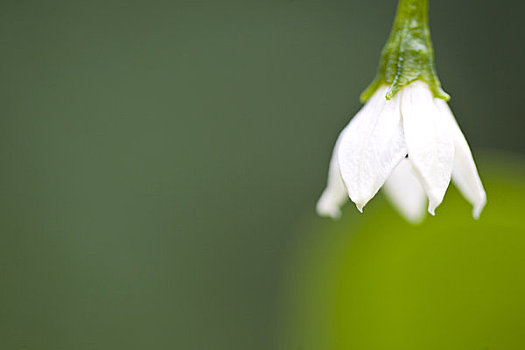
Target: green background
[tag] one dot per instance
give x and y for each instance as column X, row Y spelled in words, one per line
column 376, row 282
column 158, row 158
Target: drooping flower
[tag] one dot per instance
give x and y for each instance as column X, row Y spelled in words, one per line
column 405, row 137
column 412, row 145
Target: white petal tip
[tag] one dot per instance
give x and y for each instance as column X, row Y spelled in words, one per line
column 434, row 202
column 414, row 219
column 360, row 202
column 360, row 205
column 411, row 214
column 476, row 212
column 328, row 211
column 479, row 204
column 334, row 214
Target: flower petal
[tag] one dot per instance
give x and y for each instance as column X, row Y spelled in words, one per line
column 465, row 175
column 371, row 146
column 334, row 196
column 405, row 192
column 430, row 146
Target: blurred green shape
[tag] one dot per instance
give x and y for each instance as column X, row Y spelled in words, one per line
column 376, row 282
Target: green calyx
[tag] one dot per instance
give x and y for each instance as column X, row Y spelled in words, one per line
column 408, row 54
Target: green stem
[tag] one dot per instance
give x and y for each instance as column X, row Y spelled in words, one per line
column 408, row 54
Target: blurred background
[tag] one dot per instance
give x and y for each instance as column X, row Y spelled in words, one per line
column 161, row 161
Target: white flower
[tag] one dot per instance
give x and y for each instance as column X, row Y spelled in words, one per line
column 412, row 145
